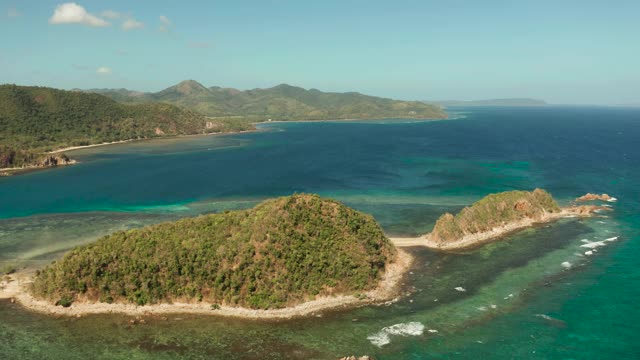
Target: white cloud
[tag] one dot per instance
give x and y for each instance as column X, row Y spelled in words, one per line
column 131, row 24
column 165, row 23
column 103, row 70
column 72, row 13
column 110, row 14
column 13, row 13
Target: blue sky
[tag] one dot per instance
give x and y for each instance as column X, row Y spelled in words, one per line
column 561, row 51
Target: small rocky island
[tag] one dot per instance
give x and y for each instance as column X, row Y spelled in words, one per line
column 493, row 216
column 283, row 253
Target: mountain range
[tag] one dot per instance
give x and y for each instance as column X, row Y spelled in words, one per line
column 282, row 102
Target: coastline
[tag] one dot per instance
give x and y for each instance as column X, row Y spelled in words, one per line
column 388, row 289
column 474, row 240
column 10, row 171
column 70, row 148
column 35, row 167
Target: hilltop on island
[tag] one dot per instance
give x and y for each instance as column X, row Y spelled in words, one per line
column 281, row 253
column 493, row 216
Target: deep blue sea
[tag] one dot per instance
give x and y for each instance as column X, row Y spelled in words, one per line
column 534, row 295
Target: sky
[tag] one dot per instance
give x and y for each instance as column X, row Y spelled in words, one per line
column 562, row 51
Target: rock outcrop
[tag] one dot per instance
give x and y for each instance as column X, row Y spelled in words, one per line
column 54, row 160
column 592, row 197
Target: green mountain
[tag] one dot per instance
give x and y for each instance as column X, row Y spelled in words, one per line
column 282, row 252
column 282, row 102
column 38, row 119
column 491, row 102
column 492, row 211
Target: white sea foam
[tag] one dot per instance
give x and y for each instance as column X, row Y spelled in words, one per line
column 433, row 331
column 593, row 245
column 383, row 337
column 612, row 199
column 461, row 289
column 585, row 240
column 482, row 308
column 597, row 244
column 546, row 317
column 493, row 306
column 607, row 205
column 379, row 339
column 588, row 253
column 566, row 265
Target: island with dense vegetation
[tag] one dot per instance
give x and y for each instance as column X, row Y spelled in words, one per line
column 494, row 216
column 282, row 253
column 283, row 102
column 37, row 120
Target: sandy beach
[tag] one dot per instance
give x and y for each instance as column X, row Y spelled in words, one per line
column 15, row 287
column 477, row 239
column 89, row 146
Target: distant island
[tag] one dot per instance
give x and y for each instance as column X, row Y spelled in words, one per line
column 490, row 102
column 35, row 121
column 494, row 216
column 283, row 102
column 285, row 257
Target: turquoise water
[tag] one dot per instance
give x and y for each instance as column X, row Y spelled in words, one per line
column 535, row 295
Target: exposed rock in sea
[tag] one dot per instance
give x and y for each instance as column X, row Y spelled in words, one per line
column 592, row 197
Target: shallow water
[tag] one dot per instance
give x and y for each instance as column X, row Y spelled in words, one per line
column 520, row 298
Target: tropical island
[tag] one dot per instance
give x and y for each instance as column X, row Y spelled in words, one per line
column 38, row 123
column 288, row 256
column 493, row 216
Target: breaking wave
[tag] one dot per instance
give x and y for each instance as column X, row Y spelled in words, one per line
column 383, row 337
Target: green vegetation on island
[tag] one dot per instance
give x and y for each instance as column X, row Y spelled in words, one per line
column 34, row 120
column 282, row 252
column 282, row 102
column 493, row 211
